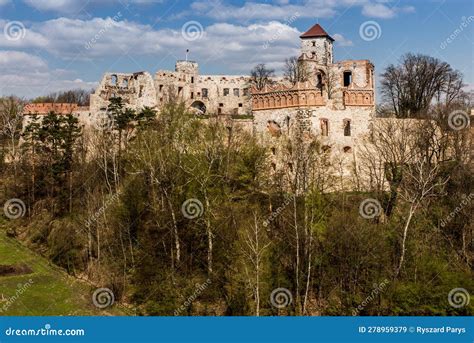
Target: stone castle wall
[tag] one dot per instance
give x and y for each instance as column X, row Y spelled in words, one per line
column 337, row 97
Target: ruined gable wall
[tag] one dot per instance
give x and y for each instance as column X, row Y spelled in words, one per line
column 186, row 84
column 137, row 90
column 236, row 100
column 360, row 118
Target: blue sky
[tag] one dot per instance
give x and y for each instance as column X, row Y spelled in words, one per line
column 50, row 45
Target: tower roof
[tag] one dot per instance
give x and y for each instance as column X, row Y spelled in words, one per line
column 315, row 32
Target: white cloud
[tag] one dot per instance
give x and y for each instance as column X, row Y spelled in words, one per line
column 31, row 38
column 282, row 10
column 28, row 76
column 238, row 47
column 232, row 45
column 74, row 6
column 341, row 40
column 379, row 10
column 219, row 10
column 63, row 6
column 17, row 60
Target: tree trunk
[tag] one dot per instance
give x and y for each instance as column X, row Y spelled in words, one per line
column 209, row 239
column 405, row 232
column 297, row 271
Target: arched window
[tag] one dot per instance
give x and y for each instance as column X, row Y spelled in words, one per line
column 347, row 78
column 326, row 148
column 347, row 127
column 125, row 83
column 199, row 107
column 324, row 127
column 319, row 80
column 347, row 149
column 113, row 80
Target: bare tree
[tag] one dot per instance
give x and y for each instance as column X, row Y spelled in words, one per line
column 260, row 76
column 416, row 82
column 74, row 96
column 332, row 82
column 11, row 121
column 254, row 249
column 296, row 70
column 421, row 182
column 388, row 147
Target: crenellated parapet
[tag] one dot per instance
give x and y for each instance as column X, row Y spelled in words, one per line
column 359, row 97
column 45, row 108
column 282, row 96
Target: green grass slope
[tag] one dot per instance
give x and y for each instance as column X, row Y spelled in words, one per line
column 47, row 291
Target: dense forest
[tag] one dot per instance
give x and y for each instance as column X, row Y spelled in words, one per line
column 180, row 215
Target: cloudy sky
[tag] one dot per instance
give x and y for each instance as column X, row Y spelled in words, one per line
column 50, row 45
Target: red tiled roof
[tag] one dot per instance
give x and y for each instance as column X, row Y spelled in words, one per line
column 45, row 108
column 316, row 31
